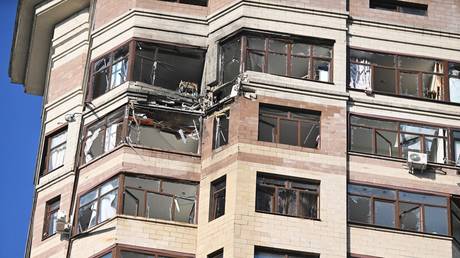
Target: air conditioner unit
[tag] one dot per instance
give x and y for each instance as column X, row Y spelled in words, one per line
column 417, row 160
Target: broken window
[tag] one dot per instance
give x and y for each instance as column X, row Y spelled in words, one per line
column 398, row 209
column 109, row 71
column 454, row 82
column 98, row 205
column 170, row 67
column 192, row 2
column 220, row 129
column 396, row 139
column 217, row 198
column 166, row 130
column 399, row 75
column 159, row 199
column 399, row 6
column 289, row 126
column 103, row 136
column 262, row 252
column 54, row 154
column 51, row 211
column 286, row 56
column 217, row 254
column 456, row 147
column 294, row 197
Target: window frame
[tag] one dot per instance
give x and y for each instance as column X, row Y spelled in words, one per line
column 48, row 214
column 216, row 254
column 397, row 202
column 116, row 249
column 243, row 35
column 284, row 252
column 181, row 2
column 445, row 90
column 214, row 196
column 217, row 129
column 399, row 6
column 448, row 139
column 44, row 170
column 290, row 111
column 288, row 181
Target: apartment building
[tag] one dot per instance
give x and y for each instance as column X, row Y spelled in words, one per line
column 237, row 128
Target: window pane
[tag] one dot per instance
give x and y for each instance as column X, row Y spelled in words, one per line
column 277, row 46
column 373, row 58
column 94, row 144
column 256, row 43
column 421, row 129
column 231, row 59
column 219, row 204
column 58, row 139
column 409, row 84
column 308, row 205
column 422, row 198
column 321, row 69
column 457, row 151
column 288, row 132
column 159, row 206
column 456, row 227
column 255, row 61
column 384, row 80
column 100, row 82
column 87, row 216
column 185, row 210
column 300, row 49
column 108, row 206
column 371, row 191
column 409, row 142
column 436, row 149
column 417, row 64
column 375, row 123
column 180, row 189
column 300, row 67
column 309, row 134
column 359, row 209
column 267, row 129
column 133, row 202
column 287, row 202
column 436, row 220
column 387, row 143
column 277, row 64
column 361, row 139
column 220, row 130
column 409, row 216
column 126, row 254
column 52, row 223
column 321, row 51
column 56, row 157
column 262, row 254
column 432, row 86
column 109, row 186
column 360, row 76
column 87, row 198
column 142, row 183
column 264, row 198
column 119, row 73
column 109, row 255
column 384, row 214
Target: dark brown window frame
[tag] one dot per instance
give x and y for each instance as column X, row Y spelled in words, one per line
column 286, row 253
column 120, row 197
column 399, row 6
column 220, row 136
column 445, row 94
column 116, row 249
column 289, row 118
column 290, row 40
column 48, row 214
column 47, row 150
column 288, row 180
column 216, row 254
column 190, row 2
column 130, row 57
column 448, row 139
column 396, row 201
column 215, row 194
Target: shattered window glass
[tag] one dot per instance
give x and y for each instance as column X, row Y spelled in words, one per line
column 289, row 126
column 220, row 130
column 292, row 197
column 162, row 130
column 231, row 59
column 172, row 201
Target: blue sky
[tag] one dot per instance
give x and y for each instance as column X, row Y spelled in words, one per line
column 20, row 136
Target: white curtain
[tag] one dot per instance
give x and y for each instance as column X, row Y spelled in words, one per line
column 108, row 207
column 89, row 142
column 92, row 220
column 110, row 137
column 436, row 83
column 119, row 72
column 454, row 89
column 57, row 151
column 360, row 75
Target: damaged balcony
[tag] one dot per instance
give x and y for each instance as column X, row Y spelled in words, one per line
column 406, row 76
column 172, row 68
column 154, row 128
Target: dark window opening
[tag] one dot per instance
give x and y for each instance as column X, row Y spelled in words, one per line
column 293, row 197
column 396, row 139
column 192, row 2
column 220, row 130
column 289, row 126
column 217, row 198
column 398, row 209
column 399, row 6
column 293, row 57
column 98, row 205
column 159, row 199
column 262, row 252
column 51, row 211
column 403, row 75
column 54, row 151
column 217, row 254
column 455, row 217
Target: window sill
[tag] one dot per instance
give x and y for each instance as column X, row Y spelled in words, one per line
column 290, row 216
column 398, row 231
column 51, row 171
column 157, row 221
column 399, row 160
